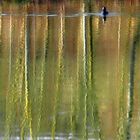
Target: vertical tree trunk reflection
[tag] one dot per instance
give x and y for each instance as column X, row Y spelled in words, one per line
column 92, row 99
column 131, row 86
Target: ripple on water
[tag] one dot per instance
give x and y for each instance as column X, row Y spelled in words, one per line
column 112, row 14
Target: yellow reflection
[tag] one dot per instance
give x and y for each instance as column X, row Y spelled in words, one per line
column 59, row 69
column 16, row 70
column 26, row 122
column 45, row 37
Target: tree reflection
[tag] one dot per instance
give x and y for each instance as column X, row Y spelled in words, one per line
column 131, row 95
column 81, row 89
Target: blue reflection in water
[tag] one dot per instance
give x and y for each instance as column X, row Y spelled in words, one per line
column 112, row 14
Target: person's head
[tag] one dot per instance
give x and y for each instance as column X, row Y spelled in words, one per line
column 103, row 8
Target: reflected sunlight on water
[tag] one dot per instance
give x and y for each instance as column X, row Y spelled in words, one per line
column 67, row 73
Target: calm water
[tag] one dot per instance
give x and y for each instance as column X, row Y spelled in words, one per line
column 67, row 74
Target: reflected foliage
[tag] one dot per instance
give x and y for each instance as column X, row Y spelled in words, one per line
column 71, row 77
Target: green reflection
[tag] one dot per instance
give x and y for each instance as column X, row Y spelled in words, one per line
column 69, row 77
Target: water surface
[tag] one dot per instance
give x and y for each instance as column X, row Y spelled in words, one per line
column 67, row 73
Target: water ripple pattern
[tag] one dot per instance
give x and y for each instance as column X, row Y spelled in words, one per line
column 112, row 14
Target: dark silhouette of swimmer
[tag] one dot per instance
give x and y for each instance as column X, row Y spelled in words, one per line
column 104, row 13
